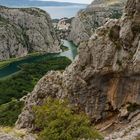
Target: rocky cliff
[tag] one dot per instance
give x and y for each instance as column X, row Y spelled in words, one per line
column 104, row 79
column 63, row 27
column 26, row 30
column 94, row 16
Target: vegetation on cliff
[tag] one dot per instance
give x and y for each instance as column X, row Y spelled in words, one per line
column 61, row 122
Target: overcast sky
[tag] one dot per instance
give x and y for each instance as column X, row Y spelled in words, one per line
column 76, row 1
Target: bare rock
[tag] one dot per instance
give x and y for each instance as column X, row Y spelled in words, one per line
column 25, row 30
column 94, row 16
column 7, row 137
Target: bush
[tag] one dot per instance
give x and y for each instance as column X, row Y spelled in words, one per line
column 56, row 120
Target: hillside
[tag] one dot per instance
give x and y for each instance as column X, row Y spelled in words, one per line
column 25, row 30
column 94, row 16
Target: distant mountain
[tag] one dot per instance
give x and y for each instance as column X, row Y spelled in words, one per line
column 35, row 3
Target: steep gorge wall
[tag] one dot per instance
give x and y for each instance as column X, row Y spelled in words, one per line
column 104, row 79
column 94, row 16
column 25, row 30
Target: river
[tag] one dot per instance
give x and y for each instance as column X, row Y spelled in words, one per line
column 72, row 52
column 14, row 66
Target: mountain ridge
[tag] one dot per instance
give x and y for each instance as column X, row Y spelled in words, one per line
column 37, row 3
column 36, row 35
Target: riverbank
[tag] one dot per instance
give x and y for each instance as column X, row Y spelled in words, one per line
column 72, row 50
column 12, row 66
column 7, row 62
column 22, row 83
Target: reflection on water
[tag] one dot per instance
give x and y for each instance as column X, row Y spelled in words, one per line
column 15, row 66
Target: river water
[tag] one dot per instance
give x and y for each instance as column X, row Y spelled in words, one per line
column 72, row 52
column 15, row 66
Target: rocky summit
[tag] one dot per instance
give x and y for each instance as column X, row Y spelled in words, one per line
column 104, row 79
column 25, row 30
column 94, row 16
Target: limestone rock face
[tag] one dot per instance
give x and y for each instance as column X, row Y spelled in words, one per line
column 94, row 16
column 131, row 132
column 104, row 78
column 24, row 31
column 63, row 27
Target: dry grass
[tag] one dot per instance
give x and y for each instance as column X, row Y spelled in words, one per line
column 13, row 132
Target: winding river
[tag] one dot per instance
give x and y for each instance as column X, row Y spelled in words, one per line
column 14, row 66
column 72, row 50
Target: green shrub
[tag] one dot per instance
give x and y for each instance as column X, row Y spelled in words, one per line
column 9, row 112
column 56, row 120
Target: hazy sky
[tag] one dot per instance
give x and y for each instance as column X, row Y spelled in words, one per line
column 76, row 1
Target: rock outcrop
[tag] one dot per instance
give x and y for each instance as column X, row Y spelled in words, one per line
column 4, row 136
column 104, row 79
column 25, row 30
column 129, row 132
column 62, row 27
column 8, row 133
column 94, row 16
